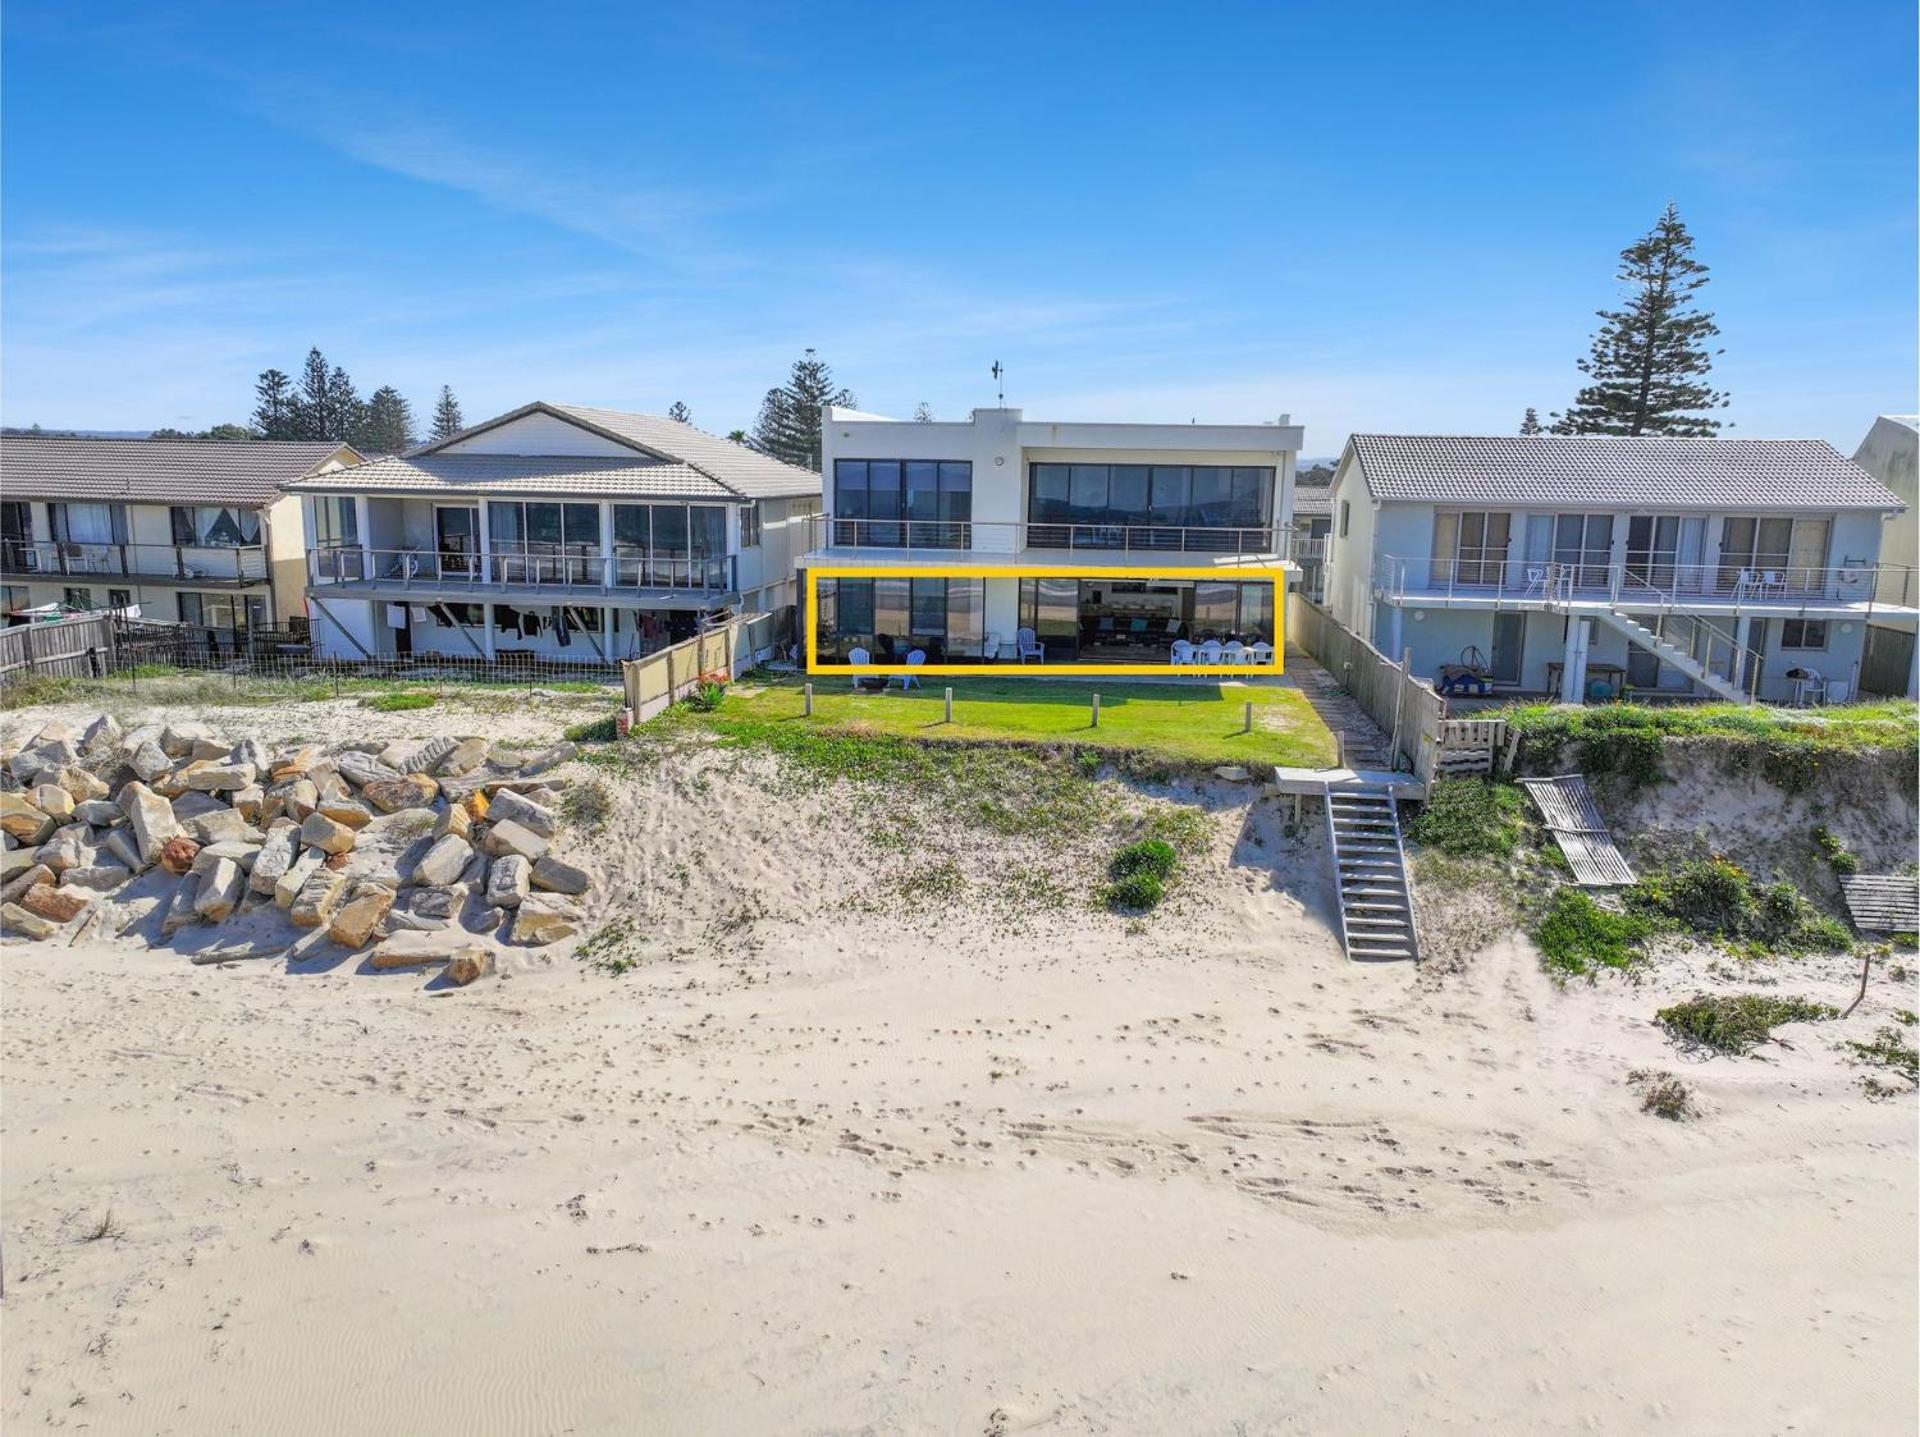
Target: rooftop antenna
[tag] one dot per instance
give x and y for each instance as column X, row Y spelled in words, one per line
column 999, row 380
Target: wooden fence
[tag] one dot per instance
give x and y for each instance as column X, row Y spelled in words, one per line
column 654, row 682
column 1406, row 708
column 76, row 648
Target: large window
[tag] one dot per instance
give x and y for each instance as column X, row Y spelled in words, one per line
column 232, row 612
column 896, row 503
column 545, row 543
column 1583, row 549
column 1775, row 551
column 215, row 526
column 671, row 546
column 1469, row 548
column 336, row 522
column 88, row 523
column 1199, row 507
column 1140, row 621
column 890, row 618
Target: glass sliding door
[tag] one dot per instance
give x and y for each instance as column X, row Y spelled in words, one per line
column 1051, row 608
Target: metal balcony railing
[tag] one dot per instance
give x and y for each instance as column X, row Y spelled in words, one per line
column 935, row 536
column 1639, row 576
column 204, row 563
column 444, row 571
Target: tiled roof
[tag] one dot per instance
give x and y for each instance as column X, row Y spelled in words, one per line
column 744, row 470
column 584, row 476
column 1606, row 471
column 248, row 473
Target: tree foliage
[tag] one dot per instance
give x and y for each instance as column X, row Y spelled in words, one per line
column 680, row 413
column 923, row 413
column 1649, row 360
column 273, row 405
column 788, row 426
column 447, row 419
column 389, row 423
column 1530, row 422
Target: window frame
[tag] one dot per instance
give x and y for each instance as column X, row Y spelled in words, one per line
column 936, row 512
column 1804, row 627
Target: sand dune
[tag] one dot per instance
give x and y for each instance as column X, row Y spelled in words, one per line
column 828, row 1159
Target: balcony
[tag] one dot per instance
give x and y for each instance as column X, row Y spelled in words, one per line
column 945, row 538
column 561, row 574
column 1642, row 579
column 212, row 565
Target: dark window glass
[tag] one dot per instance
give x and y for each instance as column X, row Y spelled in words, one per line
column 929, row 608
column 966, row 606
column 669, row 530
column 923, row 490
column 883, row 489
column 956, row 492
column 1089, row 490
column 709, row 531
column 507, row 524
column 583, row 524
column 850, row 488
column 1051, row 501
column 1128, row 494
column 1172, row 489
column 543, row 524
column 630, row 526
column 182, row 524
column 856, row 609
column 1212, row 502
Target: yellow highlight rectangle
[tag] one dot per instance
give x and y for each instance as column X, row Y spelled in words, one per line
column 1251, row 573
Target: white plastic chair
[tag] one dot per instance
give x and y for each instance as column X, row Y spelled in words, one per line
column 915, row 658
column 1536, row 581
column 1029, row 646
column 859, row 656
column 1208, row 653
column 1260, row 653
column 1236, row 652
column 1182, row 653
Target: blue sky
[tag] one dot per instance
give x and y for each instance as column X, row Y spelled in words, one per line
column 1370, row 217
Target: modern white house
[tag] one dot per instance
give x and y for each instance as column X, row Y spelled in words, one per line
column 555, row 531
column 1891, row 453
column 1581, row 567
column 190, row 531
column 999, row 542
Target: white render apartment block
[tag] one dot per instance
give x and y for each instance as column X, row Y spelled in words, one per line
column 555, row 531
column 1584, row 567
column 179, row 530
column 1000, row 540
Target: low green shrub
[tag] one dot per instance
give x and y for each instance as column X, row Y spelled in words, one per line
column 1577, row 937
column 706, row 695
column 1737, row 1022
column 1716, row 898
column 600, row 730
column 587, row 804
column 1471, row 818
column 1136, row 891
column 1841, row 859
column 398, row 703
column 1663, row 1095
column 1890, row 1050
column 1154, row 856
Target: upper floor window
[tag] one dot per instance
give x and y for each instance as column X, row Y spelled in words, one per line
column 917, row 503
column 1148, row 506
column 1583, row 548
column 336, row 521
column 215, row 526
column 750, row 526
column 1793, row 551
column 1470, row 547
column 88, row 523
column 544, row 528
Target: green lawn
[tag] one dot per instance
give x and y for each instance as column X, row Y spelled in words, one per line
column 1202, row 722
column 1891, row 723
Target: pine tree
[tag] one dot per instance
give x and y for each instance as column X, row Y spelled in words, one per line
column 447, row 420
column 680, row 413
column 1649, row 360
column 346, row 410
column 788, row 427
column 923, row 413
column 1530, row 422
column 389, row 425
column 310, row 411
column 273, row 406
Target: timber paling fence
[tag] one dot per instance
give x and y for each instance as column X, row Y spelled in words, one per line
column 655, row 681
column 1406, row 708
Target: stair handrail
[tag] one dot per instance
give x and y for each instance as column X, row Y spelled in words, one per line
column 1743, row 662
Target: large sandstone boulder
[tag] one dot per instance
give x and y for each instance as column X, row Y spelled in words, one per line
column 409, row 950
column 297, row 764
column 56, row 905
column 151, row 818
column 18, row 922
column 558, row 876
column 361, row 769
column 468, row 964
column 221, row 887
column 544, row 920
column 249, row 802
column 508, row 837
column 318, row 897
column 428, row 756
column 443, row 863
column 222, row 778
column 414, row 790
column 52, row 800
column 99, row 812
column 226, row 825
column 104, row 730
column 100, row 877
column 180, row 910
column 150, row 762
column 23, row 820
column 282, row 846
column 30, row 877
column 354, row 923
column 455, row 820
column 244, row 854
column 321, row 832
column 350, row 812
column 177, row 854
column 178, row 739
column 465, row 757
column 512, row 807
column 121, row 847
column 287, row 886
column 81, row 785
column 548, row 759
column 509, row 881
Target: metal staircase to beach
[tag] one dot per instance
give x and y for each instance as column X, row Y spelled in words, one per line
column 1370, row 867
column 1686, row 663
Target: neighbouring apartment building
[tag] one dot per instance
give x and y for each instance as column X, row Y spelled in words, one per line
column 1585, row 567
column 193, row 531
column 554, row 531
column 1000, row 541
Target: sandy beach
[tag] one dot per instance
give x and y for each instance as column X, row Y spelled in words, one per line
column 833, row 1158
